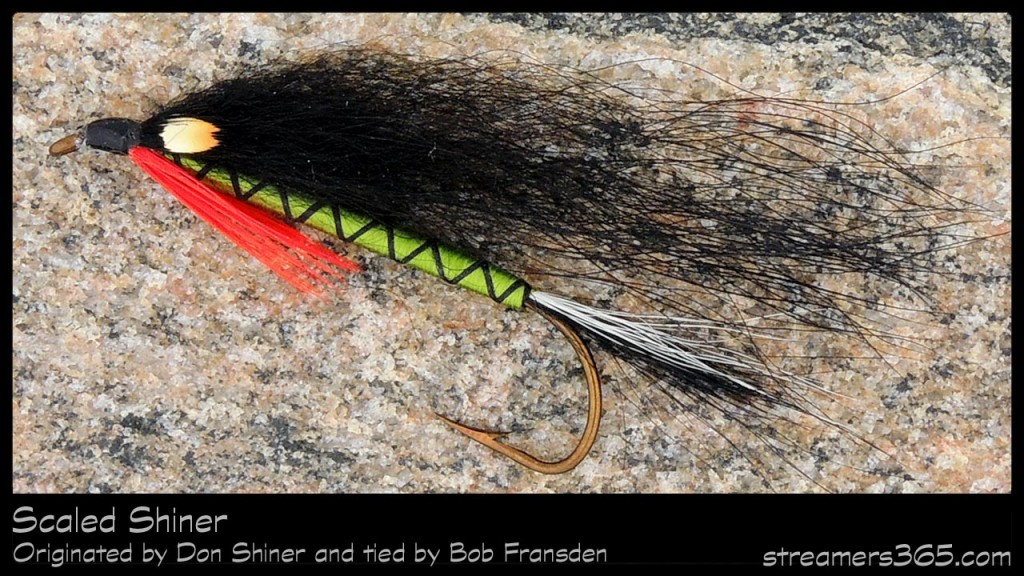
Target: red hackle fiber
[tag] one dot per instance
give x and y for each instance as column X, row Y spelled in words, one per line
column 303, row 263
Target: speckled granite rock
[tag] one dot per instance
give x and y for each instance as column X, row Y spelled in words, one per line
column 149, row 355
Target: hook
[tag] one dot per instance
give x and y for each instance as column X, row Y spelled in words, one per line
column 490, row 439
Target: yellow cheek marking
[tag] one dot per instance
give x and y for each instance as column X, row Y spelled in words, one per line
column 188, row 135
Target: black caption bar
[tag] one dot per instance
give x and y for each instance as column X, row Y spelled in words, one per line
column 440, row 531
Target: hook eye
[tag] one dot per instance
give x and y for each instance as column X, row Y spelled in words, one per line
column 66, row 145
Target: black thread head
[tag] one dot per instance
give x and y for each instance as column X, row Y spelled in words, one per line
column 117, row 135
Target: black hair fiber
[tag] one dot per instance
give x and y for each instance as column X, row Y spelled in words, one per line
column 748, row 197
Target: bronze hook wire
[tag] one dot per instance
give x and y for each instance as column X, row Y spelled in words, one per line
column 66, row 145
column 490, row 439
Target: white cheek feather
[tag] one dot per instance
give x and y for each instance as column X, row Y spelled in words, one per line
column 189, row 135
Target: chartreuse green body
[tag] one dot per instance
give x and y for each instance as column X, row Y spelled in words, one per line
column 451, row 265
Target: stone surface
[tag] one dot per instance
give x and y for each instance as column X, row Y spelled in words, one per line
column 149, row 355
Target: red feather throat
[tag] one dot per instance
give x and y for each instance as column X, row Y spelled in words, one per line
column 305, row 264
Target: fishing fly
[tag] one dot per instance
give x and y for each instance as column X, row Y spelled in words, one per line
column 730, row 239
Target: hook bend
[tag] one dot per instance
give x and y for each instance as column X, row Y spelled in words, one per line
column 491, row 439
